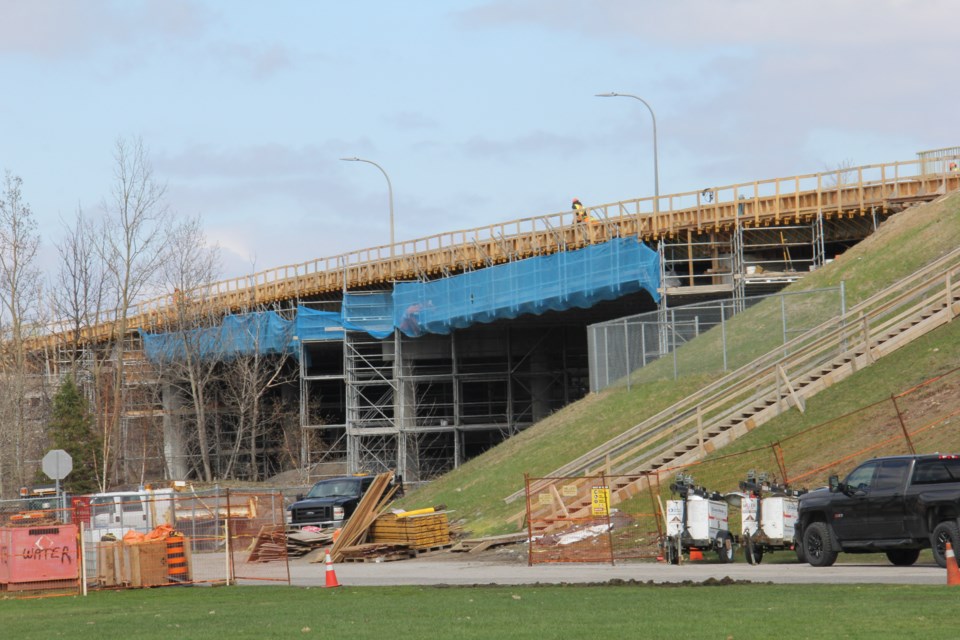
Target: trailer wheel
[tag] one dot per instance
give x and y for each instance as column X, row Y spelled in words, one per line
column 752, row 551
column 943, row 533
column 672, row 550
column 725, row 547
column 817, row 545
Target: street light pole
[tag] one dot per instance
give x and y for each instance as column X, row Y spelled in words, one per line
column 656, row 169
column 389, row 192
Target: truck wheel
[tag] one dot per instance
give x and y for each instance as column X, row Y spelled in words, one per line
column 942, row 534
column 752, row 551
column 725, row 547
column 903, row 557
column 817, row 546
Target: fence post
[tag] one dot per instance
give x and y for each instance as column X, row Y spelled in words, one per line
column 783, row 321
column 903, row 426
column 843, row 315
column 626, row 343
column 83, row 561
column 526, row 483
column 778, row 456
column 673, row 333
column 608, row 495
column 606, row 360
column 643, row 344
column 723, row 333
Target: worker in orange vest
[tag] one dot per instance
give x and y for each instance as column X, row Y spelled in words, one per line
column 579, row 211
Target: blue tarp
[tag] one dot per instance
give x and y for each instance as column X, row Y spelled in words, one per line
column 556, row 282
column 318, row 325
column 546, row 283
column 264, row 332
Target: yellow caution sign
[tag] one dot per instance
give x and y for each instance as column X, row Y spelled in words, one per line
column 600, row 501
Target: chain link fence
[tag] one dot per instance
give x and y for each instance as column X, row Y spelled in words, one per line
column 135, row 539
column 621, row 350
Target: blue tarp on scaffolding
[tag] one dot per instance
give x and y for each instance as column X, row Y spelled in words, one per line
column 264, row 332
column 318, row 325
column 371, row 312
column 556, row 282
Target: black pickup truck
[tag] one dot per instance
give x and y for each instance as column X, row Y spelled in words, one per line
column 896, row 505
column 330, row 502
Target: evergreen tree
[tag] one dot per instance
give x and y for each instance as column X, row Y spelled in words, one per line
column 71, row 429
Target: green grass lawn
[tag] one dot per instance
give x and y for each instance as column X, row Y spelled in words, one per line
column 623, row 611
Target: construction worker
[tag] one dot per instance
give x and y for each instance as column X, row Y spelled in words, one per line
column 579, row 211
column 954, row 167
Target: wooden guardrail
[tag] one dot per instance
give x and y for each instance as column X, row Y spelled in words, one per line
column 847, row 191
column 861, row 335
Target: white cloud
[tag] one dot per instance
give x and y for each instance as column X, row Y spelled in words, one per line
column 54, row 29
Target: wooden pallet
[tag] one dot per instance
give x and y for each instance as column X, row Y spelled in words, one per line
column 420, row 551
column 376, row 552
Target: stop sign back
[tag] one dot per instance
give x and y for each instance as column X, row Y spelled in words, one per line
column 57, row 464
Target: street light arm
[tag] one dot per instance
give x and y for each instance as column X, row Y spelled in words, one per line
column 656, row 168
column 389, row 193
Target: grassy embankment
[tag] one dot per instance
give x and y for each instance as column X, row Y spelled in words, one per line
column 904, row 243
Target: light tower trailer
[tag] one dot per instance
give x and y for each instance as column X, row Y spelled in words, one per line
column 696, row 522
column 768, row 516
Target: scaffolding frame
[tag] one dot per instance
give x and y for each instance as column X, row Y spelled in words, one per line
column 418, row 406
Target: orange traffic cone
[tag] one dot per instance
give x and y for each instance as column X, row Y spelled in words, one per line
column 332, row 575
column 953, row 573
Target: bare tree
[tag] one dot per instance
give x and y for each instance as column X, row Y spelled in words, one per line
column 78, row 289
column 193, row 364
column 841, row 175
column 132, row 243
column 19, row 293
column 247, row 382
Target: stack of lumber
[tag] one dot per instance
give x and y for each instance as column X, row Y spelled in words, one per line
column 377, row 552
column 300, row 543
column 417, row 530
column 373, row 502
column 269, row 545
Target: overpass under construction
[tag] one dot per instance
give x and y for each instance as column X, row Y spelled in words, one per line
column 419, row 356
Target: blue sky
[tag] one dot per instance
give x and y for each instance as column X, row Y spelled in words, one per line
column 479, row 111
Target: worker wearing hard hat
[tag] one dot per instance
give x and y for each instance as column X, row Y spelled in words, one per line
column 579, row 211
